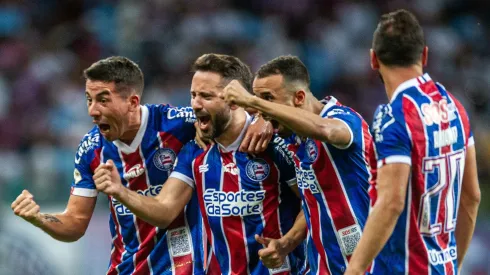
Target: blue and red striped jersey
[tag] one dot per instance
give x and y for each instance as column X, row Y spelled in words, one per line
column 239, row 196
column 334, row 185
column 426, row 127
column 144, row 166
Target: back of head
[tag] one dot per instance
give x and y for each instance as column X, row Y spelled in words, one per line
column 229, row 67
column 398, row 39
column 122, row 71
column 293, row 71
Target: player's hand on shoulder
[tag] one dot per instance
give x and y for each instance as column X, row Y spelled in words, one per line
column 257, row 137
column 25, row 207
column 274, row 254
column 235, row 93
column 107, row 179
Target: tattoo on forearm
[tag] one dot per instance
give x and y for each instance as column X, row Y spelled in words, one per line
column 51, row 218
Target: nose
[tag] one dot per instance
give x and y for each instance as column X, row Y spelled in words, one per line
column 93, row 110
column 196, row 104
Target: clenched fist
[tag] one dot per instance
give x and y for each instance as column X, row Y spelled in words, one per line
column 235, row 93
column 25, row 207
column 107, row 179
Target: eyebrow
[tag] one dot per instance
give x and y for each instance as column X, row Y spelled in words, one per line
column 103, row 93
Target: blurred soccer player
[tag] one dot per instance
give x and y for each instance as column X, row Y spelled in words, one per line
column 426, row 197
column 143, row 141
column 239, row 195
column 332, row 164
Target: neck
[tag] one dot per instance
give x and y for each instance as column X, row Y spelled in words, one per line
column 133, row 126
column 234, row 127
column 312, row 105
column 394, row 76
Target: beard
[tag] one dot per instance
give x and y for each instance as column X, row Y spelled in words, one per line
column 219, row 124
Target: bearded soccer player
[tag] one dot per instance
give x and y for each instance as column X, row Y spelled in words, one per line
column 143, row 142
column 332, row 158
column 426, row 196
column 239, row 195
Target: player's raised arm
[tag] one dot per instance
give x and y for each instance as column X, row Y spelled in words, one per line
column 468, row 208
column 159, row 211
column 302, row 122
column 68, row 226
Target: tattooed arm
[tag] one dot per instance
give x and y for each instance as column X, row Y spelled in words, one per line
column 68, row 226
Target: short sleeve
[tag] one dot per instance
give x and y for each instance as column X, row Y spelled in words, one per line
column 391, row 139
column 86, row 159
column 283, row 157
column 351, row 119
column 183, row 164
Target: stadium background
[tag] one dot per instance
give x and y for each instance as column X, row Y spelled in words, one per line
column 44, row 46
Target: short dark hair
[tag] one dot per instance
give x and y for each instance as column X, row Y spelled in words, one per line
column 398, row 39
column 290, row 67
column 125, row 73
column 229, row 67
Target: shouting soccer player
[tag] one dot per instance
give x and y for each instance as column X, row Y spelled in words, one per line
column 426, row 197
column 239, row 195
column 332, row 161
column 143, row 142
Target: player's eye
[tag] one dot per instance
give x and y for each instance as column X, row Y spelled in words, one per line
column 103, row 100
column 268, row 98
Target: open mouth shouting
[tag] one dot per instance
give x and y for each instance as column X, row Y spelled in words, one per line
column 204, row 122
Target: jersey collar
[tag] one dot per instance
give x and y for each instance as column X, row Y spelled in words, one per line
column 416, row 81
column 128, row 149
column 234, row 146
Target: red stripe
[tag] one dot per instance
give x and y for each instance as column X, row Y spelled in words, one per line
column 315, row 231
column 443, row 236
column 145, row 230
column 214, row 267
column 96, row 160
column 232, row 225
column 417, row 254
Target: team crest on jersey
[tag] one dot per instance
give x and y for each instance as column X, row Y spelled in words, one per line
column 164, row 159
column 257, row 169
column 311, row 150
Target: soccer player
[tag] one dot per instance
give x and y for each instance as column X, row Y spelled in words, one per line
column 143, row 142
column 332, row 163
column 426, row 196
column 239, row 195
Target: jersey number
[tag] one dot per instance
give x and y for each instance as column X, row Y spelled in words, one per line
column 448, row 170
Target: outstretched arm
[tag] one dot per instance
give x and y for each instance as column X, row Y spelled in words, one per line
column 303, row 123
column 68, row 226
column 159, row 211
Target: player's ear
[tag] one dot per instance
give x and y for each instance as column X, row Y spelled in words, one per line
column 299, row 98
column 374, row 60
column 134, row 102
column 425, row 56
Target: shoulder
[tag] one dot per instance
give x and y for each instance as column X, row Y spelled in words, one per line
column 172, row 113
column 90, row 142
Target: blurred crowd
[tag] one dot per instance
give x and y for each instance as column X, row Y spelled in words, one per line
column 45, row 45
